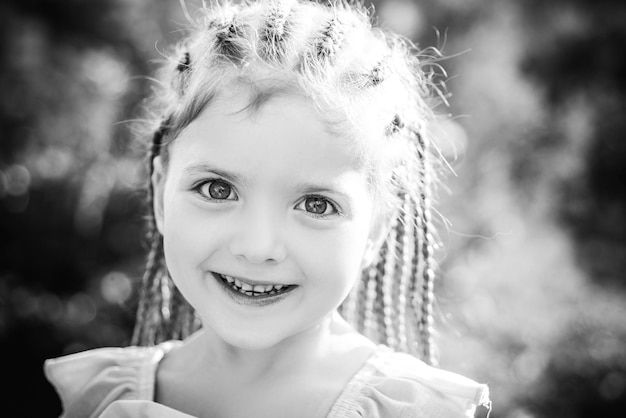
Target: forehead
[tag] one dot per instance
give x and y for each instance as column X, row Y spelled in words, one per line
column 285, row 133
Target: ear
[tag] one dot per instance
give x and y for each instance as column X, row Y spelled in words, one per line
column 158, row 186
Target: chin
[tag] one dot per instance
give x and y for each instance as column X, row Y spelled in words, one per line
column 251, row 341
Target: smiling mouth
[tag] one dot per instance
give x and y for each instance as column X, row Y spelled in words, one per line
column 257, row 291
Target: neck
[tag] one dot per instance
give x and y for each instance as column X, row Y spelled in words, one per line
column 290, row 356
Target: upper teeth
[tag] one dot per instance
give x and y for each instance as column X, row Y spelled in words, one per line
column 258, row 288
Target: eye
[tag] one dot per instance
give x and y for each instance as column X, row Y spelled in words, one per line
column 317, row 206
column 216, row 190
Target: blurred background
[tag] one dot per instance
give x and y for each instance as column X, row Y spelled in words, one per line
column 532, row 291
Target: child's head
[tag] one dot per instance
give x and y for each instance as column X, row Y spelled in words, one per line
column 251, row 77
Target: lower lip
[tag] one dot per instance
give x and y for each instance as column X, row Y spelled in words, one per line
column 246, row 300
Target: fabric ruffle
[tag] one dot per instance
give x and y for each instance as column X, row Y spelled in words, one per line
column 89, row 382
column 399, row 385
column 119, row 382
column 141, row 409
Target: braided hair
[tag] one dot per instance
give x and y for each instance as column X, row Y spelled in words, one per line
column 368, row 85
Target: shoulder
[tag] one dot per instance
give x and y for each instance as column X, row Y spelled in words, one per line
column 394, row 384
column 89, row 381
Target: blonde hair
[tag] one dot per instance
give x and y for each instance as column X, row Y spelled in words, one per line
column 367, row 85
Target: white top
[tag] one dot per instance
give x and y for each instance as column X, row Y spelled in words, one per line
column 119, row 382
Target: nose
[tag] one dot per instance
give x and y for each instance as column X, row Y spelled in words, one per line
column 258, row 238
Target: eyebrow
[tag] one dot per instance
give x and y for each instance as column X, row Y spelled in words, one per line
column 207, row 168
column 311, row 188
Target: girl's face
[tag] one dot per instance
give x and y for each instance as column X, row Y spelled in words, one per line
column 265, row 219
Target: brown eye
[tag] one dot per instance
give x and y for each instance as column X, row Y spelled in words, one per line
column 317, row 206
column 217, row 190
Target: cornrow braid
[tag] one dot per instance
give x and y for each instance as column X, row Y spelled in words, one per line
column 395, row 126
column 378, row 74
column 155, row 149
column 184, row 64
column 277, row 29
column 182, row 77
column 328, row 43
column 362, row 81
column 227, row 41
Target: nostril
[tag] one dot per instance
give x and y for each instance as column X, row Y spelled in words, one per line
column 258, row 251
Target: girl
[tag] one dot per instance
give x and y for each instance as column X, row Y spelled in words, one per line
column 291, row 267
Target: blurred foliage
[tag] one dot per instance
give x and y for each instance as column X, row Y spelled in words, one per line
column 531, row 296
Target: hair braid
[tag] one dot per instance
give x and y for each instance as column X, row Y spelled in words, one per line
column 428, row 274
column 328, row 43
column 373, row 305
column 277, row 29
column 407, row 333
column 154, row 263
column 415, row 300
column 174, row 308
column 185, row 63
column 154, row 318
column 182, row 78
column 227, row 41
column 388, row 279
column 145, row 297
column 395, row 126
column 378, row 74
column 181, row 316
column 411, row 318
column 398, row 290
column 163, row 312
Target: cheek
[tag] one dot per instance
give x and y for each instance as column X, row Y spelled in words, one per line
column 187, row 236
column 334, row 258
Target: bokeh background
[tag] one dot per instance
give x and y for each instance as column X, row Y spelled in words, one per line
column 533, row 215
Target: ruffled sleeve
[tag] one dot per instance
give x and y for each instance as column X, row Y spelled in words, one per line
column 89, row 382
column 396, row 385
column 141, row 409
